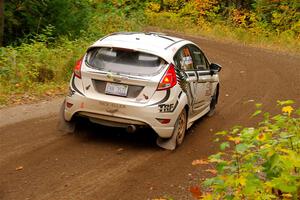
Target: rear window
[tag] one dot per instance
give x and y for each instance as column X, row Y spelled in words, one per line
column 124, row 61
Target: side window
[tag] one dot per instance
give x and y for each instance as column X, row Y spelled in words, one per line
column 183, row 59
column 199, row 58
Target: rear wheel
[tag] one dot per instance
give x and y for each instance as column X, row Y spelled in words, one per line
column 180, row 127
column 178, row 134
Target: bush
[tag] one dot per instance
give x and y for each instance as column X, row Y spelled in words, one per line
column 45, row 63
column 26, row 19
column 260, row 162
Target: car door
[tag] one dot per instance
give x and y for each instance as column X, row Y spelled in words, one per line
column 188, row 78
column 203, row 86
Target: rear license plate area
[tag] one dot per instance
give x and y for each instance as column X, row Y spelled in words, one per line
column 116, row 89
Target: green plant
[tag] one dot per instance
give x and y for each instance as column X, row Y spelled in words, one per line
column 28, row 19
column 260, row 162
column 264, row 23
column 45, row 62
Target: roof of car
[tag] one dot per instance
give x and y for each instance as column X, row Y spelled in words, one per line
column 151, row 42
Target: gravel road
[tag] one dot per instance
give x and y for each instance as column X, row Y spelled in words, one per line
column 38, row 162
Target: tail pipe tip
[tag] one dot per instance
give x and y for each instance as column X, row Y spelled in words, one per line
column 131, row 128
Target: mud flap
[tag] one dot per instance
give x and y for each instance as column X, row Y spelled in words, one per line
column 167, row 143
column 63, row 125
column 212, row 106
column 211, row 112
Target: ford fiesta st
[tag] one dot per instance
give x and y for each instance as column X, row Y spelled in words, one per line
column 134, row 80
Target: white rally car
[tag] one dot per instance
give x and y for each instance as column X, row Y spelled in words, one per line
column 134, row 80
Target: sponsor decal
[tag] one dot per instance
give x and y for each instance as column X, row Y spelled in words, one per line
column 187, row 61
column 182, row 79
column 166, row 107
column 112, row 105
column 208, row 90
column 185, row 85
column 112, row 111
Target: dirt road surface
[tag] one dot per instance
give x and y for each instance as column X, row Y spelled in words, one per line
column 37, row 162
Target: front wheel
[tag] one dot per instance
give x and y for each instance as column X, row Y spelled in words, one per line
column 213, row 103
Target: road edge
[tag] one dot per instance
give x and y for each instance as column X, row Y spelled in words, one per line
column 15, row 114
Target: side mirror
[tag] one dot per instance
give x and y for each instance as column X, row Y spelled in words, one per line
column 215, row 67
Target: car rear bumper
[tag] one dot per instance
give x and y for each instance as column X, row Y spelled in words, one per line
column 120, row 115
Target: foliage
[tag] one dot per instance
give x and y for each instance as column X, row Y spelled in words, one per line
column 264, row 22
column 46, row 61
column 25, row 19
column 111, row 17
column 279, row 15
column 29, row 66
column 44, row 37
column 260, row 162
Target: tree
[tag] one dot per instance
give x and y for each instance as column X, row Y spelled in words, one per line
column 161, row 5
column 25, row 19
column 1, row 22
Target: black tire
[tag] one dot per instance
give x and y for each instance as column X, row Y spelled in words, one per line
column 213, row 102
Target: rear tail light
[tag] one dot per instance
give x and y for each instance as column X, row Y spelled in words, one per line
column 169, row 79
column 77, row 68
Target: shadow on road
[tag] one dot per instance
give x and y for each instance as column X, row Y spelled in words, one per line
column 94, row 133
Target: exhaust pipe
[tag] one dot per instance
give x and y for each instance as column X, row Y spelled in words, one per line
column 131, row 129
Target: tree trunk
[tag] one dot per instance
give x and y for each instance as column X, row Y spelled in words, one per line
column 161, row 5
column 1, row 22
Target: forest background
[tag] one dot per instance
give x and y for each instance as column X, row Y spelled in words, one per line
column 41, row 39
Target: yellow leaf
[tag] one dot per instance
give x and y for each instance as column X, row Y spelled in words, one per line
column 236, row 140
column 207, row 196
column 213, row 171
column 242, row 181
column 215, row 160
column 265, row 146
column 199, row 162
column 287, row 196
column 261, row 137
column 287, row 109
column 284, row 150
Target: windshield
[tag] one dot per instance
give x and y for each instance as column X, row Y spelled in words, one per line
column 124, row 61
